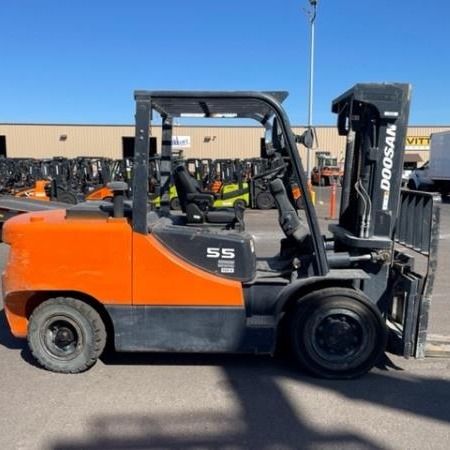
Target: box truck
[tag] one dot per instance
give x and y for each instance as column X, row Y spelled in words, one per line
column 439, row 167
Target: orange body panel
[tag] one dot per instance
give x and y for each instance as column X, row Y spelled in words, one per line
column 325, row 172
column 162, row 278
column 100, row 194
column 15, row 314
column 329, row 171
column 296, row 193
column 102, row 258
column 92, row 256
column 37, row 192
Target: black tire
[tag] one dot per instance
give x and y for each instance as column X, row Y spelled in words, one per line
column 67, row 197
column 240, row 204
column 337, row 333
column 175, row 204
column 66, row 335
column 265, row 200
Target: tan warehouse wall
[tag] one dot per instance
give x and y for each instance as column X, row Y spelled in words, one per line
column 44, row 141
column 47, row 140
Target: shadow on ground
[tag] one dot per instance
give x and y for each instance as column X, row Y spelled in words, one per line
column 267, row 418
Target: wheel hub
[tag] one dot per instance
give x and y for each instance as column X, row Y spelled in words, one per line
column 338, row 335
column 64, row 336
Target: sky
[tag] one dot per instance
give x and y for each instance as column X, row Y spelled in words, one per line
column 80, row 61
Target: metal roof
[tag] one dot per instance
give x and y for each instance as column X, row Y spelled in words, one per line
column 255, row 105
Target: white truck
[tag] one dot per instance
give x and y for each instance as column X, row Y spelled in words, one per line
column 439, row 171
column 435, row 174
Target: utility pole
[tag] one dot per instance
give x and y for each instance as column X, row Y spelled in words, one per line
column 311, row 12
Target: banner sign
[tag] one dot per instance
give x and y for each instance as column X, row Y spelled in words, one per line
column 417, row 143
column 181, row 141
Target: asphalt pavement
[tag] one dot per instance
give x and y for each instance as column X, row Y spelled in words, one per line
column 148, row 401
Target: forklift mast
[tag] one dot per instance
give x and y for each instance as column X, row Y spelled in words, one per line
column 374, row 119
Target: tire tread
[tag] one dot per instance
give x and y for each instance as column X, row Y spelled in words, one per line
column 89, row 313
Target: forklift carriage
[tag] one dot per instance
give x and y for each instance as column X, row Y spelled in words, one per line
column 159, row 281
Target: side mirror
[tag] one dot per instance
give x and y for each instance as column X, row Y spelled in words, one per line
column 268, row 144
column 307, row 138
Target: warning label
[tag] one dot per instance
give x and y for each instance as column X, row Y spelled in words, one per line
column 226, row 266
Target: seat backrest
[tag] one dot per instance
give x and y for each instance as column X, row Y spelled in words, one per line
column 185, row 185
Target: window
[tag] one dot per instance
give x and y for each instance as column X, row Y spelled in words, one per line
column 3, row 146
column 128, row 147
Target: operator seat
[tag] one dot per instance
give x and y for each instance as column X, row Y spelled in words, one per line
column 198, row 205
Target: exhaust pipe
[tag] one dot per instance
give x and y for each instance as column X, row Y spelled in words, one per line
column 118, row 188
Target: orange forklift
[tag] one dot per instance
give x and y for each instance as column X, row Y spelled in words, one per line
column 157, row 281
column 327, row 171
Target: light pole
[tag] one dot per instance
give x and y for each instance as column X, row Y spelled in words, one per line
column 311, row 12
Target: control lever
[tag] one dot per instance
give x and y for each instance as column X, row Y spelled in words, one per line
column 287, row 216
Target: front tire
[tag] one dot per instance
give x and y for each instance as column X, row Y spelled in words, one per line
column 66, row 335
column 175, row 204
column 239, row 203
column 337, row 333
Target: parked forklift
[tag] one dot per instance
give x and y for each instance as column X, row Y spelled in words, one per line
column 227, row 188
column 327, row 171
column 92, row 175
column 158, row 282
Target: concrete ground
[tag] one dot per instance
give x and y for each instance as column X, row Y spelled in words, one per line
column 147, row 401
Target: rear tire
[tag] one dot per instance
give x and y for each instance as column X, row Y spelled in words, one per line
column 337, row 333
column 66, row 335
column 265, row 200
column 67, row 197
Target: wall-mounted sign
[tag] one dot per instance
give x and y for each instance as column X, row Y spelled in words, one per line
column 417, row 143
column 181, row 141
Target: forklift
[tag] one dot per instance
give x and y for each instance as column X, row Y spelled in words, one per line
column 230, row 191
column 228, row 184
column 327, row 170
column 92, row 174
column 156, row 282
